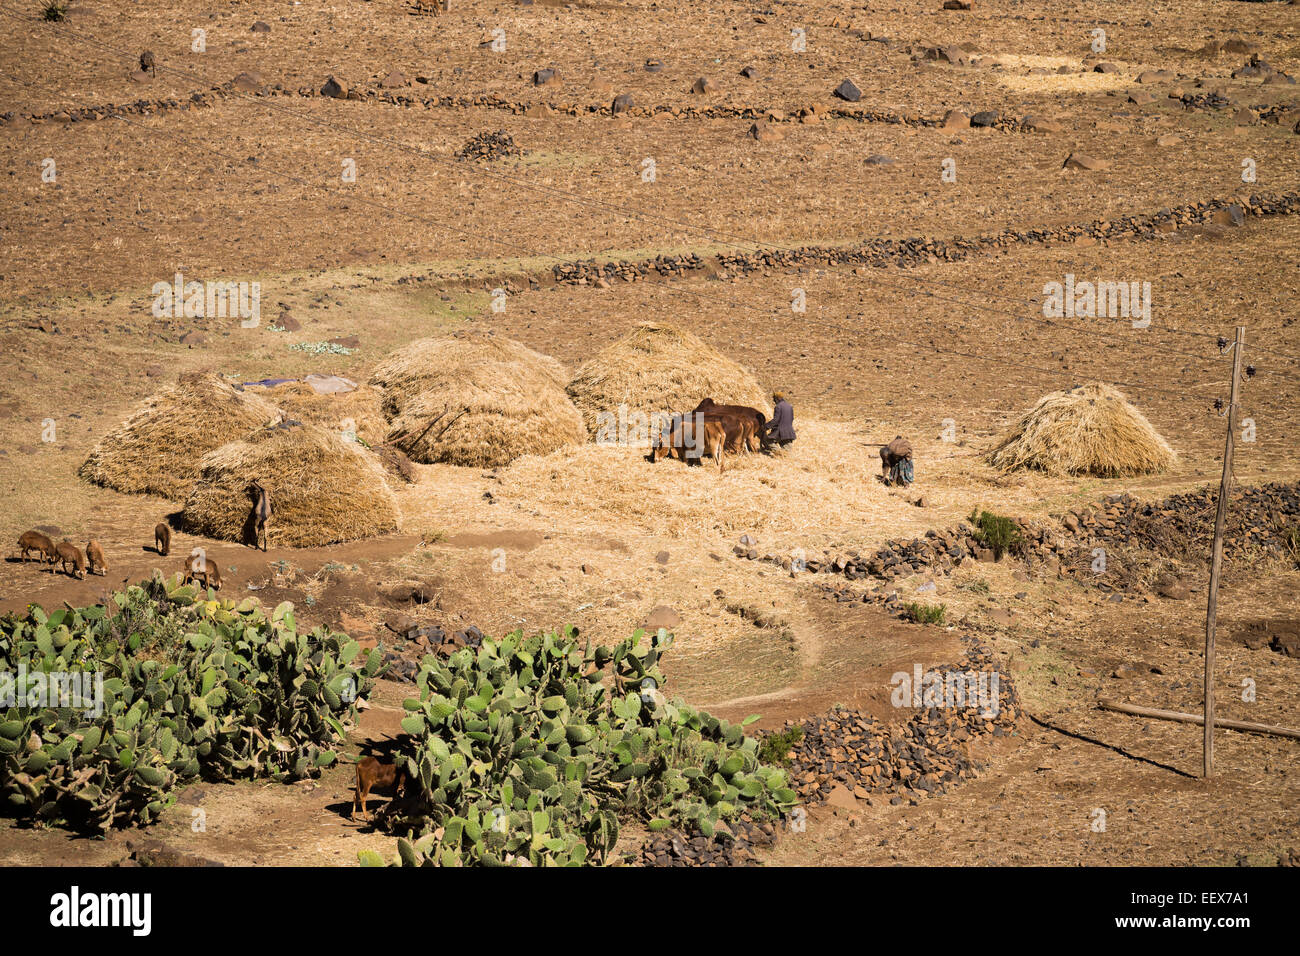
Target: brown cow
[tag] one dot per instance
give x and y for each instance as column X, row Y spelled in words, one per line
column 69, row 553
column 95, row 558
column 41, row 544
column 759, row 433
column 692, row 439
column 162, row 538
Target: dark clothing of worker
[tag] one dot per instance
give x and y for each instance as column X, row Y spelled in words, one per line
column 780, row 430
column 896, row 462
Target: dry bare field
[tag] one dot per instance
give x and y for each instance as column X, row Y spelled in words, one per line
column 881, row 263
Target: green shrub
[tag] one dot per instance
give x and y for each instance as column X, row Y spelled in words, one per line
column 775, row 747
column 995, row 532
column 55, row 11
column 190, row 687
column 523, row 754
column 925, row 613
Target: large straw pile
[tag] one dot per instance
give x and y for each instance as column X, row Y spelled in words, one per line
column 657, row 370
column 322, row 489
column 1090, row 429
column 475, row 399
column 156, row 451
column 358, row 412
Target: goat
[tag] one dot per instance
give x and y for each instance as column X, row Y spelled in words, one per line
column 69, row 553
column 260, row 514
column 95, row 558
column 199, row 567
column 162, row 539
column 372, row 773
column 41, row 544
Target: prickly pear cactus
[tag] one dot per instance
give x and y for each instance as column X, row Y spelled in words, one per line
column 168, row 685
column 529, row 751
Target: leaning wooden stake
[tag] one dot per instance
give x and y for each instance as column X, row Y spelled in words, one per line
column 1197, row 719
column 1216, row 553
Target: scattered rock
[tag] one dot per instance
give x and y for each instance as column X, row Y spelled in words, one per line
column 848, row 91
column 703, row 85
column 955, row 119
column 334, row 88
column 1085, row 162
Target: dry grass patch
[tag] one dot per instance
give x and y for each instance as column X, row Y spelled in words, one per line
column 475, row 399
column 323, row 489
column 1090, row 429
column 157, row 450
column 659, row 369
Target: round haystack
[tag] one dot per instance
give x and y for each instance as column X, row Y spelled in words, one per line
column 358, row 412
column 322, row 489
column 1089, row 429
column 157, row 450
column 475, row 399
column 658, row 370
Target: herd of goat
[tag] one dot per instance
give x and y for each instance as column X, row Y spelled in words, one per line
column 196, row 566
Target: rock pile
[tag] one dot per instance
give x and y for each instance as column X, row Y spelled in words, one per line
column 731, row 845
column 1184, row 523
column 851, row 750
column 489, row 146
column 1177, row 526
column 421, row 639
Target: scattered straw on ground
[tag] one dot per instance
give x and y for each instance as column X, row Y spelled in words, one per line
column 659, row 369
column 475, row 399
column 157, row 450
column 824, row 486
column 322, row 489
column 1090, row 429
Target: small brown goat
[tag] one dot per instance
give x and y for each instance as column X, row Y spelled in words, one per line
column 69, row 553
column 162, row 539
column 95, row 558
column 199, row 567
column 41, row 544
column 372, row 773
column 147, row 63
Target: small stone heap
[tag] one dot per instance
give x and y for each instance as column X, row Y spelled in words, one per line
column 1257, row 518
column 731, row 845
column 422, row 639
column 489, row 146
column 850, row 749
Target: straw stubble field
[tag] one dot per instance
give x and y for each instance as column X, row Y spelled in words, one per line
column 948, row 353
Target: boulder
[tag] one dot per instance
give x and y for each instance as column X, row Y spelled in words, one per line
column 1085, row 162
column 848, row 91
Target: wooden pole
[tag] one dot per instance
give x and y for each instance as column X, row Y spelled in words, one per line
column 1181, row 718
column 1216, row 553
